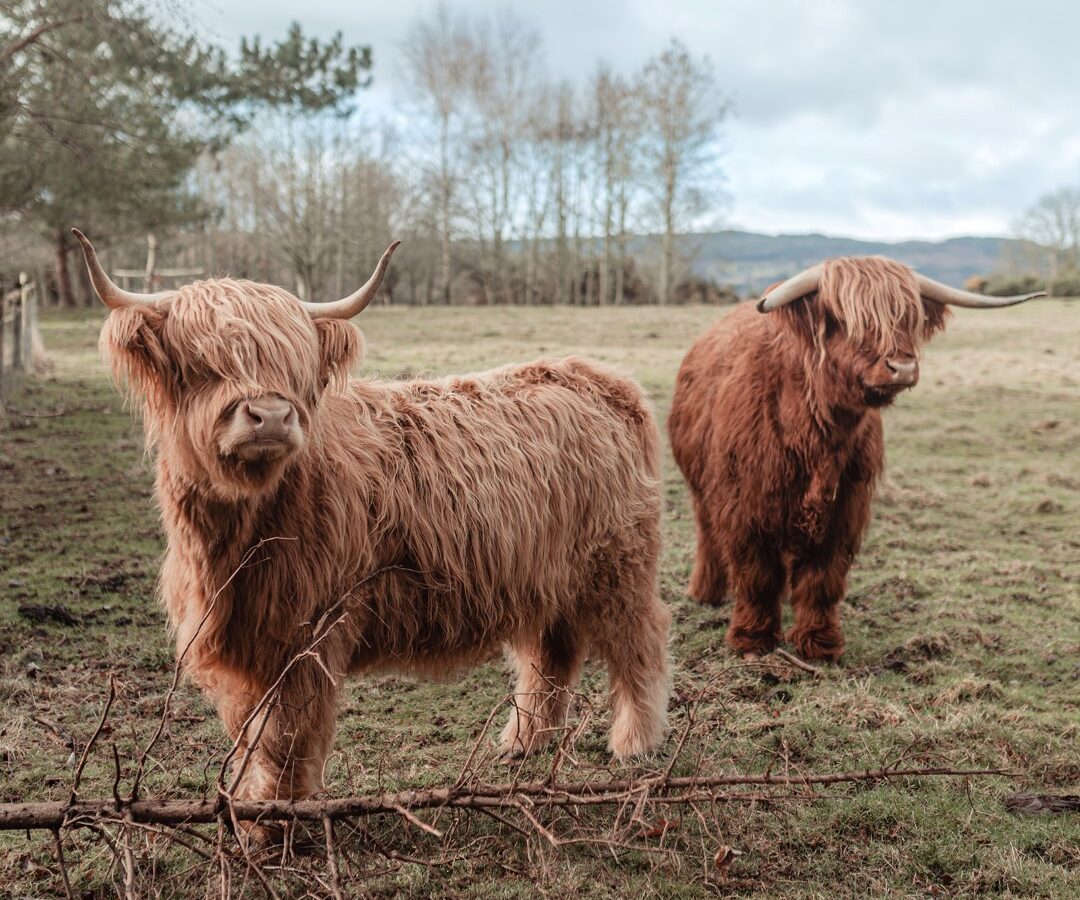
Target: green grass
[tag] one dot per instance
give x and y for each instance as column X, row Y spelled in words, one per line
column 963, row 628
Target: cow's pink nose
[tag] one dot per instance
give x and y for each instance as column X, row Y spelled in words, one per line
column 270, row 418
column 905, row 372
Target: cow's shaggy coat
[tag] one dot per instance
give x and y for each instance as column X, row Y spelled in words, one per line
column 776, row 426
column 426, row 523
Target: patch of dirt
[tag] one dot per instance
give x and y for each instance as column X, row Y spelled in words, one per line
column 40, row 613
column 1063, row 481
column 104, row 581
column 921, row 648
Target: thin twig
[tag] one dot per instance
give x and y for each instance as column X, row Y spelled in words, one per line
column 93, row 739
column 59, row 845
column 796, row 662
column 331, row 859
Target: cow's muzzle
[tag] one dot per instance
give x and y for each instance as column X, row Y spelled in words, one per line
column 264, row 427
column 904, row 372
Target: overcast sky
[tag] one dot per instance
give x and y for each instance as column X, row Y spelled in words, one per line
column 886, row 120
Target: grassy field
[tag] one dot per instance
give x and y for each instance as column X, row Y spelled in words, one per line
column 963, row 630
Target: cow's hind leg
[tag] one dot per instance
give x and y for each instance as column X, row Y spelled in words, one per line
column 708, row 583
column 633, row 639
column 547, row 672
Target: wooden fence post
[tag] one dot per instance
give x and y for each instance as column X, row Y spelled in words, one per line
column 17, row 364
column 3, row 330
column 33, row 339
column 27, row 296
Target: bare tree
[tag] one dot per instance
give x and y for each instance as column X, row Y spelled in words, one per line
column 301, row 201
column 502, row 90
column 615, row 133
column 1052, row 224
column 679, row 152
column 436, row 57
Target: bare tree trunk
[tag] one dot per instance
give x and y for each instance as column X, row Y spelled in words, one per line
column 444, row 216
column 151, row 263
column 620, row 272
column 667, row 240
column 85, row 295
column 604, row 275
column 64, row 297
column 664, row 287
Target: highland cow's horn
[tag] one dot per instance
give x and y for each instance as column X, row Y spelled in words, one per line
column 112, row 296
column 942, row 293
column 352, row 305
column 797, row 286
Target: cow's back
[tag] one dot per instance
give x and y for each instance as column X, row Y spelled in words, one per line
column 487, row 501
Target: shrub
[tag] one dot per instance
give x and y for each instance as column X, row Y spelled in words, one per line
column 1007, row 285
column 1065, row 285
column 704, row 290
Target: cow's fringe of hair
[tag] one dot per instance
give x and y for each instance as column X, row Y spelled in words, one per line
column 244, row 333
column 877, row 303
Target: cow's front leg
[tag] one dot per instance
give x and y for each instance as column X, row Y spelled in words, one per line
column 282, row 737
column 816, row 591
column 757, row 577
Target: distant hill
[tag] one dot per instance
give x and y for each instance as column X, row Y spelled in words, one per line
column 751, row 262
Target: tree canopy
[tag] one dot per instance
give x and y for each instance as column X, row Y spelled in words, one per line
column 106, row 105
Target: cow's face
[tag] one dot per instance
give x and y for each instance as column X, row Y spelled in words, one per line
column 861, row 327
column 232, row 374
column 874, row 370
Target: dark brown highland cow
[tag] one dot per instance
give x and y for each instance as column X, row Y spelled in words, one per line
column 776, row 425
column 415, row 525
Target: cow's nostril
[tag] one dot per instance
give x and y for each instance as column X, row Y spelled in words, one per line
column 903, row 372
column 271, row 417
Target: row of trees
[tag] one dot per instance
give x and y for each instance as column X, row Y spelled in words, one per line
column 506, row 186
column 1047, row 256
column 538, row 186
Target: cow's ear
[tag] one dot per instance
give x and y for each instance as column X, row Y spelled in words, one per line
column 133, row 345
column 935, row 317
column 341, row 346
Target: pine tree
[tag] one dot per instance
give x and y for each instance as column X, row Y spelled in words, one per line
column 106, row 105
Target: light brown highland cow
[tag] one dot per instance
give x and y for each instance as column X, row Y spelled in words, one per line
column 776, row 424
column 433, row 521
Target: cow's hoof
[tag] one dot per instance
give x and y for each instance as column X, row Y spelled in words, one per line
column 752, row 645
column 511, row 757
column 826, row 645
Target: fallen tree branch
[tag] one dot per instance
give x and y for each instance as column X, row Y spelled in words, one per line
column 76, row 813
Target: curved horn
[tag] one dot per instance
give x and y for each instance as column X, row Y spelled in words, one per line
column 942, row 293
column 347, row 307
column 806, row 282
column 112, row 296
